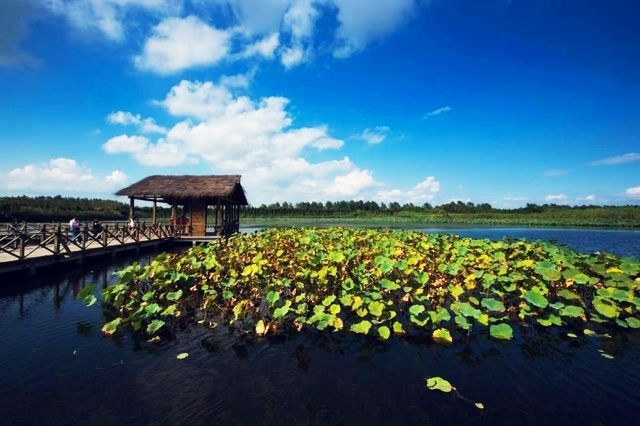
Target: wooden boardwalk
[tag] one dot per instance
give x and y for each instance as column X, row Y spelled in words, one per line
column 31, row 247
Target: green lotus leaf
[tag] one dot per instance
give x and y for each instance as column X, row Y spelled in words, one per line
column 572, row 335
column 438, row 383
column 362, row 327
column 227, row 294
column 273, row 297
column 154, row 326
column 417, row 321
column 442, row 314
column 89, row 300
column 422, row 278
column 588, row 332
column 384, row 332
column 462, row 322
column 622, row 295
column 483, row 319
column 416, row 309
column 397, row 328
column 557, row 305
column 572, row 311
column 621, row 323
column 501, row 331
column 170, row 310
column 346, row 300
column 329, row 300
column 442, row 335
column 581, row 279
column 281, row 312
column 607, row 355
column 463, row 308
column 402, row 265
column 334, row 309
column 376, row 308
column 569, row 295
column 633, row 322
column 605, row 309
column 389, row 285
column 493, row 305
column 362, row 312
column 536, row 299
column 111, row 326
column 86, row 291
column 544, row 322
column 183, row 355
column 153, row 308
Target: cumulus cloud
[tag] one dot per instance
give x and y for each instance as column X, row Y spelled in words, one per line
column 515, row 198
column 61, row 174
column 177, row 44
column 147, row 125
column 375, row 135
column 633, row 193
column 252, row 137
column 108, row 17
column 559, row 198
column 438, row 111
column 421, row 193
column 620, row 159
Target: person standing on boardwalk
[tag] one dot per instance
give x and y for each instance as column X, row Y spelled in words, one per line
column 74, row 224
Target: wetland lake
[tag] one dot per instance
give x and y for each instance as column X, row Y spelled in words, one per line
column 59, row 368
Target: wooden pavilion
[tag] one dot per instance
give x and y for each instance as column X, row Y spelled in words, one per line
column 194, row 194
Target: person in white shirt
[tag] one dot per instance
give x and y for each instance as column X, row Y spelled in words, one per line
column 74, row 224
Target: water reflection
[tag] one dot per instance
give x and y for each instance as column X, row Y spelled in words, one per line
column 54, row 352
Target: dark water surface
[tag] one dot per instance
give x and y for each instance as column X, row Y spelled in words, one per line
column 56, row 367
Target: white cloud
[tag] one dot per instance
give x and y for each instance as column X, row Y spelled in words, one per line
column 438, row 111
column 61, row 174
column 177, row 44
column 554, row 172
column 587, row 198
column 375, row 135
column 148, row 125
column 362, row 22
column 265, row 47
column 515, row 198
column 252, row 137
column 159, row 154
column 633, row 192
column 108, row 17
column 620, row 159
column 560, row 197
column 292, row 56
column 423, row 192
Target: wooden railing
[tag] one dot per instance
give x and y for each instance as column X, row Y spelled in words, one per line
column 23, row 240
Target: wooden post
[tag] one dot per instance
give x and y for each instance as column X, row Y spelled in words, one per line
column 218, row 219
column 131, row 206
column 154, row 219
column 105, row 230
column 174, row 213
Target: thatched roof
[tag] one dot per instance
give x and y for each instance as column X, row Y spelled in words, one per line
column 170, row 188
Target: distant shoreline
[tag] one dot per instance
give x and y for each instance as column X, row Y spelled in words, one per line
column 451, row 222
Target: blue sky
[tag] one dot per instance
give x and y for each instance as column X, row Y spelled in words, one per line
column 506, row 102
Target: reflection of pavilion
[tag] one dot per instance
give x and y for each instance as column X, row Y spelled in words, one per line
column 194, row 194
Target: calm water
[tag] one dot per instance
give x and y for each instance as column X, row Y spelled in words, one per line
column 58, row 368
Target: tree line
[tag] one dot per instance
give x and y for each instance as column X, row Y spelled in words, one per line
column 45, row 209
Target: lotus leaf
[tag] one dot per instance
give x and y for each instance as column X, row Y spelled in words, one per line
column 536, row 299
column 572, row 311
column 170, row 310
column 572, row 335
column 111, row 326
column 569, row 295
column 462, row 322
column 557, row 305
column 154, row 326
column 633, row 322
column 273, row 297
column 376, row 308
column 438, row 383
column 442, row 335
column 417, row 309
column 329, row 300
column 397, row 327
column 607, row 355
column 361, row 327
column 581, row 279
column 389, row 285
column 183, row 355
column 493, row 305
column 604, row 308
column 422, row 278
column 334, row 309
column 384, row 332
column 501, row 331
